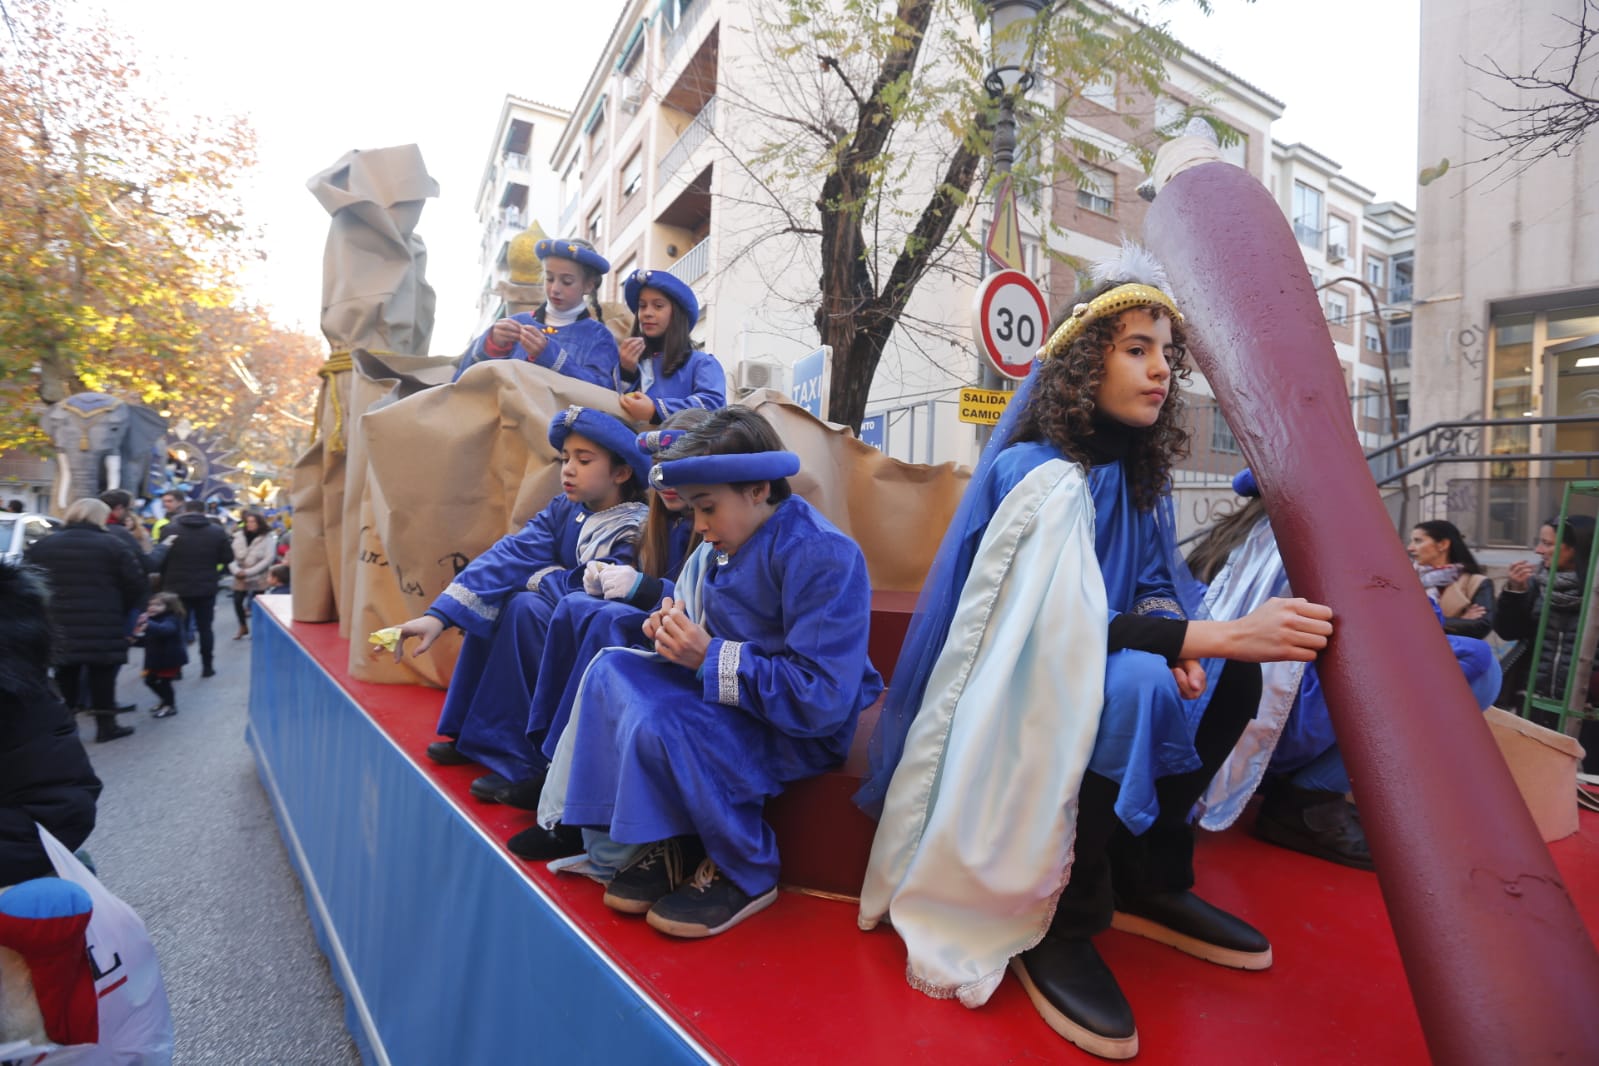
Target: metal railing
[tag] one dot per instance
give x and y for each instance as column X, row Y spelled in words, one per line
column 1307, row 234
column 1399, row 292
column 515, row 161
column 695, row 262
column 691, row 138
column 568, row 217
column 683, row 31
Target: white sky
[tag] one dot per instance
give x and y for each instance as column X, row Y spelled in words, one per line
column 319, row 78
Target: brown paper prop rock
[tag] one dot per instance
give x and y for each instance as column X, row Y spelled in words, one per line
column 451, row 470
column 375, row 296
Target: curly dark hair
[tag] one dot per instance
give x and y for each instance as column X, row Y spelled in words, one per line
column 1064, row 402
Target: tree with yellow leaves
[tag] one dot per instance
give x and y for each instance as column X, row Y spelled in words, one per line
column 120, row 228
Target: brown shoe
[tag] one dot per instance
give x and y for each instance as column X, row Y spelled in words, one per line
column 243, row 632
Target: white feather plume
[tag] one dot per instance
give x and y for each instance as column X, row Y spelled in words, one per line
column 1133, row 263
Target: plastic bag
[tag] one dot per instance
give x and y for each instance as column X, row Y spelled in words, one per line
column 135, row 1018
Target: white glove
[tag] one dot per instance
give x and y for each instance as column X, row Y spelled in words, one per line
column 591, row 578
column 617, row 582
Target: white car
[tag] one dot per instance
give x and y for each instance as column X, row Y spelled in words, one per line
column 19, row 532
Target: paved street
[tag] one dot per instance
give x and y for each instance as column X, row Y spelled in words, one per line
column 187, row 838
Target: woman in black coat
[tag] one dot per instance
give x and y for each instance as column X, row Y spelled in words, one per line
column 96, row 581
column 45, row 776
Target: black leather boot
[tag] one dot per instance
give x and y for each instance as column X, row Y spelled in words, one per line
column 106, row 728
column 1078, row 997
column 1184, row 921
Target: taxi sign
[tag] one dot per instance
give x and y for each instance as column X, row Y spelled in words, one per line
column 982, row 407
column 1009, row 318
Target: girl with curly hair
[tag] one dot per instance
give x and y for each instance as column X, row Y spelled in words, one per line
column 1059, row 705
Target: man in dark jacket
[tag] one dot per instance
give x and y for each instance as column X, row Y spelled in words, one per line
column 45, row 776
column 95, row 581
column 196, row 548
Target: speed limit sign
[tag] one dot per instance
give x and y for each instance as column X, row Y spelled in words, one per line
column 1010, row 321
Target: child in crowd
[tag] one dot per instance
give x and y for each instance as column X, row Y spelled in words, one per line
column 1055, row 713
column 160, row 631
column 278, row 579
column 758, row 677
column 567, row 334
column 660, row 371
column 611, row 615
column 505, row 597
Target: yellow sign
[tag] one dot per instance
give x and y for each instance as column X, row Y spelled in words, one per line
column 1005, row 237
column 982, row 407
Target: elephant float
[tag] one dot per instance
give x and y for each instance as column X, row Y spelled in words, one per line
column 102, row 443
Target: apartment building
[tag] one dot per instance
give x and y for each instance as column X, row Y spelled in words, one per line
column 651, row 169
column 1507, row 268
column 517, row 189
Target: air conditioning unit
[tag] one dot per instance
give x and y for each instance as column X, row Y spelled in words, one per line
column 756, row 374
column 632, row 93
column 1336, row 253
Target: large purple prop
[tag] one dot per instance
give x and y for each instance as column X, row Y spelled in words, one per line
column 1497, row 958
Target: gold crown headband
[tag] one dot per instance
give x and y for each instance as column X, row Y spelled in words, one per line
column 1117, row 300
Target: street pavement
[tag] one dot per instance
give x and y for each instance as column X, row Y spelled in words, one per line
column 186, row 836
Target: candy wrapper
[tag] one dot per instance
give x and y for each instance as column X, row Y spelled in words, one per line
column 385, row 639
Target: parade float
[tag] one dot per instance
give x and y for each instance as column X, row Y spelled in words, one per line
column 1468, row 945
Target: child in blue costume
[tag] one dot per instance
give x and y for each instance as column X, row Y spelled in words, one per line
column 505, row 597
column 612, row 615
column 759, row 677
column 1058, row 708
column 1289, row 751
column 566, row 334
column 660, row 371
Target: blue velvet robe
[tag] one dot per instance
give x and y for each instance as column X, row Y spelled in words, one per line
column 582, row 627
column 660, row 750
column 504, row 600
column 585, row 350
column 699, row 382
column 1146, row 730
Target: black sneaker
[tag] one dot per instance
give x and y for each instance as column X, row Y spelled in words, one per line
column 208, row 672
column 487, row 787
column 116, row 732
column 1184, row 921
column 540, row 845
column 523, row 795
column 443, row 752
column 707, row 904
column 165, row 710
column 1323, row 824
column 652, row 875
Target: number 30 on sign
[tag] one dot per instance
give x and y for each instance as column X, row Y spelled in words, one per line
column 1010, row 319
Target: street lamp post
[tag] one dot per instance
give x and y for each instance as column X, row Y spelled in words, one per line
column 1008, row 27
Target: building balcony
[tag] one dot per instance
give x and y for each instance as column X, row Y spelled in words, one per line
column 516, row 161
column 1399, row 292
column 568, row 219
column 694, row 263
column 683, row 148
column 683, row 32
column 1307, row 234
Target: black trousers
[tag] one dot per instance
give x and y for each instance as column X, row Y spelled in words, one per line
column 241, row 606
column 162, row 687
column 203, row 610
column 1110, row 861
column 101, row 692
